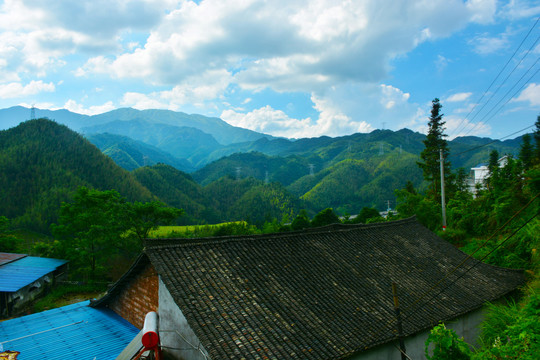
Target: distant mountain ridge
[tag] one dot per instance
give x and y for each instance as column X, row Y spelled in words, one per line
column 223, row 132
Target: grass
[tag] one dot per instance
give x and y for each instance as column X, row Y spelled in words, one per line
column 68, row 294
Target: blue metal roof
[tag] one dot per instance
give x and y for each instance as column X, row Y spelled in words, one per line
column 75, row 331
column 19, row 273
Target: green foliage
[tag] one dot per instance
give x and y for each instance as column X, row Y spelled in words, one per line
column 526, row 152
column 101, row 225
column 8, row 242
column 42, row 163
column 65, row 294
column 325, row 217
column 434, row 143
column 446, row 345
column 235, row 228
column 512, row 331
column 301, row 221
column 365, row 215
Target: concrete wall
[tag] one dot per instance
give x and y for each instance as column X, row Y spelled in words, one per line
column 466, row 326
column 177, row 339
column 138, row 298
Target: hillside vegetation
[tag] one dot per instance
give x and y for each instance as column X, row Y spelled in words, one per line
column 42, row 163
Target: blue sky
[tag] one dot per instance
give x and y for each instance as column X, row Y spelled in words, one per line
column 283, row 67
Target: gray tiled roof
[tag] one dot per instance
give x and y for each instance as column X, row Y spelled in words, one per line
column 318, row 294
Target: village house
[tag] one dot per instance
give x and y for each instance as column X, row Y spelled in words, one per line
column 24, row 278
column 322, row 293
column 479, row 174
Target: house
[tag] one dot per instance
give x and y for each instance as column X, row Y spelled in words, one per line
column 75, row 331
column 23, row 278
column 479, row 174
column 322, row 293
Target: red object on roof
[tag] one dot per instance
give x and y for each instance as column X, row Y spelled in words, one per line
column 8, row 257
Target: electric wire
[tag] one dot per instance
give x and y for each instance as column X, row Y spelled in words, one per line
column 406, row 316
column 489, row 143
column 510, row 98
column 474, row 252
column 499, row 74
column 389, row 326
column 502, row 83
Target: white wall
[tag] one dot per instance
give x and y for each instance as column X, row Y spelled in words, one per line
column 171, row 318
column 466, row 326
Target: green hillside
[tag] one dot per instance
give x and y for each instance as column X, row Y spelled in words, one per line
column 131, row 154
column 179, row 190
column 42, row 163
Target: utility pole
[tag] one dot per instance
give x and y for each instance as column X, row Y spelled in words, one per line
column 443, row 201
column 402, row 349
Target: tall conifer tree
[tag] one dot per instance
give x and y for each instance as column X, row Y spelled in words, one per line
column 435, row 141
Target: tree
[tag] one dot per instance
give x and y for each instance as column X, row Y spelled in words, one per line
column 493, row 167
column 301, row 221
column 325, row 217
column 99, row 225
column 8, row 242
column 526, row 152
column 365, row 214
column 144, row 217
column 434, row 142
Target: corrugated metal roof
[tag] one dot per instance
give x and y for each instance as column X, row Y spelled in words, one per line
column 17, row 274
column 71, row 332
column 8, row 257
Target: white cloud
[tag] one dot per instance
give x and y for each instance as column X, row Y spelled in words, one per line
column 441, row 63
column 73, row 106
column 327, row 42
column 142, row 101
column 459, row 97
column 269, row 121
column 531, row 94
column 484, row 44
column 483, row 10
column 331, row 121
column 518, row 9
column 392, row 95
column 458, row 126
column 15, row 89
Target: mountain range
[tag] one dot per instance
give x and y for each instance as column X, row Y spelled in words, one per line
column 211, row 169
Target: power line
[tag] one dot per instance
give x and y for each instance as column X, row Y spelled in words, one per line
column 511, row 97
column 475, row 264
column 389, row 323
column 491, row 142
column 497, row 77
column 470, row 255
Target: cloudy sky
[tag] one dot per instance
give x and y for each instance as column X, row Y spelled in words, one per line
column 290, row 68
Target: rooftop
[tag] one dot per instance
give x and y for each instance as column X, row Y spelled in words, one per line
column 322, row 293
column 23, row 270
column 71, row 332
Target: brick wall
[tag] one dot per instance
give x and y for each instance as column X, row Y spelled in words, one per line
column 138, row 298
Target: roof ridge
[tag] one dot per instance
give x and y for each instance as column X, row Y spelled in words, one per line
column 153, row 243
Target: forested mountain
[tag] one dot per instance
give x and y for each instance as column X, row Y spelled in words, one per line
column 178, row 189
column 42, row 163
column 131, row 154
column 181, row 142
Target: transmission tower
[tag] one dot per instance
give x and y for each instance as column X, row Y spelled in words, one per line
column 33, row 112
column 238, row 171
column 311, row 169
column 381, row 148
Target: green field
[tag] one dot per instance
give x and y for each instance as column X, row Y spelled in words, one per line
column 188, row 230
